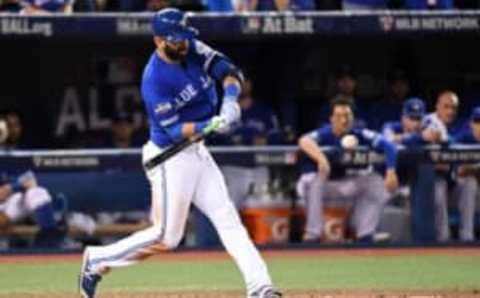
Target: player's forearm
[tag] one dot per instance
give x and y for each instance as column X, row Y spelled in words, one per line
column 390, row 151
column 412, row 139
column 185, row 130
column 310, row 147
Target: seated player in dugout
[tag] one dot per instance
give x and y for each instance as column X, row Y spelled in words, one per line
column 367, row 187
column 467, row 177
column 46, row 7
column 448, row 183
column 21, row 197
column 408, row 132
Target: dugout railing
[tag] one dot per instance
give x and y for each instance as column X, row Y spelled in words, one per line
column 113, row 180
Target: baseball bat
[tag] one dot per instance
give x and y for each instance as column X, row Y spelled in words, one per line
column 173, row 150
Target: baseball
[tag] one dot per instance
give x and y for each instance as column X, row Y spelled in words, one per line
column 3, row 131
column 349, row 142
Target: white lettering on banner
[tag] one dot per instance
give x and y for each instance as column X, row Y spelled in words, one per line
column 70, row 113
column 426, row 23
column 61, row 162
column 127, row 98
column 96, row 122
column 298, row 25
column 23, row 26
column 278, row 25
column 73, row 116
column 133, row 27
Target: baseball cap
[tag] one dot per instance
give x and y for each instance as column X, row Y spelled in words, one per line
column 170, row 23
column 475, row 117
column 414, row 108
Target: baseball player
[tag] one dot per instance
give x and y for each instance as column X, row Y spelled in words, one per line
column 367, row 187
column 20, row 197
column 464, row 189
column 178, row 88
column 408, row 131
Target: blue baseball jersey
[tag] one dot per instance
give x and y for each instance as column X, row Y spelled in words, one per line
column 50, row 5
column 178, row 93
column 465, row 136
column 324, row 136
column 257, row 120
column 395, row 127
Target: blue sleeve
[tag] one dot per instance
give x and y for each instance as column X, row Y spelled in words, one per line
column 378, row 142
column 461, row 138
column 412, row 139
column 163, row 110
column 316, row 134
column 214, row 63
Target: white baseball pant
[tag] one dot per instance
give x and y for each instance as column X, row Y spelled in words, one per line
column 191, row 176
column 465, row 191
column 367, row 191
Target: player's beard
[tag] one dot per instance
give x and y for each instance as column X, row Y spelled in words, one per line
column 175, row 54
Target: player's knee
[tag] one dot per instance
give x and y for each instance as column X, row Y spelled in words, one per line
column 36, row 197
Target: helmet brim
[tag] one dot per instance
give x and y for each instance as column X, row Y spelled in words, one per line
column 181, row 34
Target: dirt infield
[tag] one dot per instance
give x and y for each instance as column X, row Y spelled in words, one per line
column 201, row 256
column 288, row 294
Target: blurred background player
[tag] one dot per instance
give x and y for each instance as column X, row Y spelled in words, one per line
column 258, row 126
column 45, row 7
column 466, row 189
column 178, row 88
column 21, row 197
column 463, row 189
column 15, row 139
column 319, row 180
column 408, row 131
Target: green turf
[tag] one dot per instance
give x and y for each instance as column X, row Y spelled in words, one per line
column 411, row 272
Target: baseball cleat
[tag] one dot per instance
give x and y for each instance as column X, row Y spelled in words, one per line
column 88, row 280
column 266, row 292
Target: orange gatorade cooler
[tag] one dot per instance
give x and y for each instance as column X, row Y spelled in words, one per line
column 335, row 224
column 272, row 225
column 267, row 225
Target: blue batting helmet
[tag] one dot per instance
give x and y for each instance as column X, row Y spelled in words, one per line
column 170, row 23
column 414, row 108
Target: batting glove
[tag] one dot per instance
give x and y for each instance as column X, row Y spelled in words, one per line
column 216, row 124
column 230, row 111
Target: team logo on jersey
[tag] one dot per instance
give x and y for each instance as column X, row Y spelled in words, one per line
column 163, row 108
column 205, row 82
column 185, row 96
